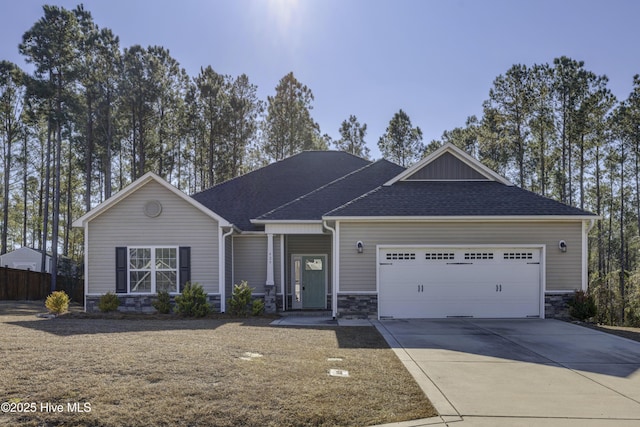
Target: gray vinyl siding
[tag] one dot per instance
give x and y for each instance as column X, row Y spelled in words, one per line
column 179, row 224
column 311, row 244
column 358, row 271
column 250, row 261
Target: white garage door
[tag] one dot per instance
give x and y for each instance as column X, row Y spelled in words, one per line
column 459, row 282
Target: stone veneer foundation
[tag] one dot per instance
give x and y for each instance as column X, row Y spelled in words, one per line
column 142, row 303
column 556, row 306
column 366, row 306
column 350, row 306
column 358, row 306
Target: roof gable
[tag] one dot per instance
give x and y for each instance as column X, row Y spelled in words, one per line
column 449, row 163
column 135, row 186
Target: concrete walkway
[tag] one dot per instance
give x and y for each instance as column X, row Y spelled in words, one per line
column 529, row 372
column 319, row 321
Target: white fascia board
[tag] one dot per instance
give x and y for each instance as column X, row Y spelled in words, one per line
column 531, row 218
column 137, row 184
column 461, row 155
column 285, row 221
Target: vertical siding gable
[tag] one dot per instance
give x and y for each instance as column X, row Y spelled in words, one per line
column 125, row 224
column 446, row 167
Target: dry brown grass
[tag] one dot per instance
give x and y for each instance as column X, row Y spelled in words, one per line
column 186, row 372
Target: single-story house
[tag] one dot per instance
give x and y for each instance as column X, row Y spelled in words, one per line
column 326, row 230
column 25, row 258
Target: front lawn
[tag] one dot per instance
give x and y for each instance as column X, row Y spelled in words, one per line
column 208, row 372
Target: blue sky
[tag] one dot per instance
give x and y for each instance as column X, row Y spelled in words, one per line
column 434, row 59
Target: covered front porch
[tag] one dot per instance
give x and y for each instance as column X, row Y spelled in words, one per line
column 291, row 267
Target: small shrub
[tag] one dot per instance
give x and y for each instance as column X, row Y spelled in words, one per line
column 57, row 302
column 162, row 303
column 193, row 301
column 108, row 302
column 582, row 306
column 240, row 299
column 257, row 307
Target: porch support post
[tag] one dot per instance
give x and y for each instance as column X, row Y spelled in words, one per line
column 269, row 286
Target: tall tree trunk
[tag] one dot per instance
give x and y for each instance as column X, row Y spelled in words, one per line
column 563, row 183
column 108, row 160
column 6, row 201
column 55, row 229
column 637, row 181
column 543, row 187
column 581, row 178
column 601, row 272
column 67, row 225
column 88, row 156
column 622, row 284
column 25, row 192
column 45, row 213
column 134, row 146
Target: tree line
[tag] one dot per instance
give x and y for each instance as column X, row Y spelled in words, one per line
column 92, row 117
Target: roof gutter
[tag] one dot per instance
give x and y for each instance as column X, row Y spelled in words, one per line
column 442, row 218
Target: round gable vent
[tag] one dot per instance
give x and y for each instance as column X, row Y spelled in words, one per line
column 152, row 208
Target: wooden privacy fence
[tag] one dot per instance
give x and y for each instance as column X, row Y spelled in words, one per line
column 33, row 285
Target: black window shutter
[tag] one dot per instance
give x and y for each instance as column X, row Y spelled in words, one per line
column 185, row 266
column 121, row 270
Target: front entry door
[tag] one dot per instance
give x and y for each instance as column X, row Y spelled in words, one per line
column 310, row 281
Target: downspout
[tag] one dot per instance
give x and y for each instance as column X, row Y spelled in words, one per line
column 334, row 265
column 222, row 266
column 86, row 263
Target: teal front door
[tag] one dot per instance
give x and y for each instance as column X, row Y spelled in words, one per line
column 313, row 281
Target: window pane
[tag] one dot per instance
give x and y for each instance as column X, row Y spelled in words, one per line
column 166, row 258
column 166, row 281
column 140, row 259
column 140, row 281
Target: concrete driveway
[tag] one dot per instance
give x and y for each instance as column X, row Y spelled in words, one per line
column 520, row 372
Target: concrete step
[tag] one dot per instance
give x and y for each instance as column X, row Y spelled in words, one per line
column 306, row 313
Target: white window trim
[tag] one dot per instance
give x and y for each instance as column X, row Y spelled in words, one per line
column 153, row 269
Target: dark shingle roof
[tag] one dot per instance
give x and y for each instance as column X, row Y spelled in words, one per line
column 246, row 197
column 313, row 205
column 471, row 198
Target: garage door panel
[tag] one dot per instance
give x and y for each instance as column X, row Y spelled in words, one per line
column 477, row 282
